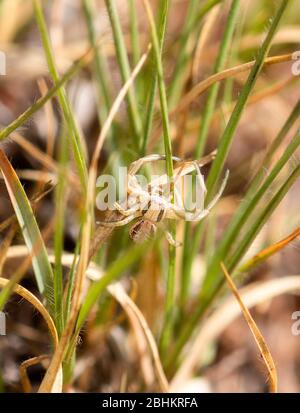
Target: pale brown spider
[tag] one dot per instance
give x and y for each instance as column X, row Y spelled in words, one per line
column 150, row 206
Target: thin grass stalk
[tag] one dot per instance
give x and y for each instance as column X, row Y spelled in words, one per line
column 134, row 32
column 79, row 153
column 60, row 207
column 101, row 69
column 206, row 300
column 193, row 20
column 170, row 292
column 133, row 113
column 161, row 28
column 211, row 100
column 227, row 137
column 176, row 84
column 223, row 149
column 36, row 106
column 242, row 215
column 209, row 108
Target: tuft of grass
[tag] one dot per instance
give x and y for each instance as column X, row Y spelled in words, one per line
column 30, row 230
column 208, row 111
column 208, row 293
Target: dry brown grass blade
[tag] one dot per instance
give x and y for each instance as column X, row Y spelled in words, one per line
column 260, row 341
column 116, row 290
column 31, row 149
column 28, row 296
column 43, row 158
column 52, row 371
column 257, row 97
column 288, row 34
column 26, row 385
column 50, row 118
column 37, row 175
column 252, row 295
column 271, row 250
column 208, row 27
column 5, row 244
column 141, row 329
column 202, row 86
column 225, row 74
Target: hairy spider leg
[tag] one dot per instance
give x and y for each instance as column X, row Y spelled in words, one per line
column 136, row 165
column 181, row 213
column 119, row 223
column 204, row 212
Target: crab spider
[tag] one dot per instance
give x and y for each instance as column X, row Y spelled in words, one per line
column 149, row 206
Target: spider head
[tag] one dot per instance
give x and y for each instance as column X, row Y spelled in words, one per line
column 142, row 230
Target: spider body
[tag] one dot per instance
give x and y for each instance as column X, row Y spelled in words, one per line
column 142, row 230
column 150, row 206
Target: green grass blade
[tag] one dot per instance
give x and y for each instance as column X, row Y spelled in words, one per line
column 70, row 283
column 101, row 69
column 125, row 71
column 170, row 294
column 190, row 251
column 262, row 218
column 214, row 281
column 193, row 20
column 26, row 115
column 247, row 207
column 114, row 271
column 59, row 227
column 217, row 166
column 30, row 230
column 227, row 137
column 176, row 84
column 210, row 103
column 79, row 154
column 134, row 32
column 162, row 23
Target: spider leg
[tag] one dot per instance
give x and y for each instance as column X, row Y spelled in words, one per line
column 207, row 159
column 179, row 210
column 194, row 217
column 171, row 240
column 136, row 165
column 197, row 217
column 203, row 213
column 126, row 212
column 119, row 223
column 220, row 192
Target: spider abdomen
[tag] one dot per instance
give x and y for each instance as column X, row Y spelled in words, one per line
column 142, row 230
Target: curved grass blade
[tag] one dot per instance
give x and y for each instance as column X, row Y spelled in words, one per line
column 260, row 341
column 269, row 251
column 30, row 230
column 77, row 65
